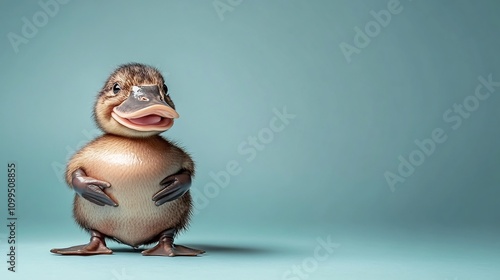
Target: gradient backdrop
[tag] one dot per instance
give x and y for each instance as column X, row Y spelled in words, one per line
column 369, row 87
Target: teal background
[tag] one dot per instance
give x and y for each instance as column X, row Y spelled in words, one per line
column 323, row 175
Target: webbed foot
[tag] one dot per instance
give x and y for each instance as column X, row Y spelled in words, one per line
column 96, row 246
column 166, row 247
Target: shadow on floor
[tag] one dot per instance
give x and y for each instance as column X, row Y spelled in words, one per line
column 226, row 249
column 210, row 248
column 126, row 249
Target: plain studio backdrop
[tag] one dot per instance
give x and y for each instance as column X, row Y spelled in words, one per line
column 333, row 139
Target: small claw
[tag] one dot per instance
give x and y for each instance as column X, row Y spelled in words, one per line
column 168, row 181
column 99, row 200
column 168, row 197
column 99, row 183
column 163, row 192
column 168, row 194
column 98, row 194
column 91, row 188
column 93, row 200
column 174, row 186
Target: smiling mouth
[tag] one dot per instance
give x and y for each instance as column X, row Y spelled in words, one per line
column 152, row 118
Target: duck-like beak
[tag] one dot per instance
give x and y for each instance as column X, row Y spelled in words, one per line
column 145, row 110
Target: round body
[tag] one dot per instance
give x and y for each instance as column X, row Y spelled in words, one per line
column 134, row 167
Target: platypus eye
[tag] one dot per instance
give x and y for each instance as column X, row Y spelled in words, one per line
column 116, row 88
column 165, row 89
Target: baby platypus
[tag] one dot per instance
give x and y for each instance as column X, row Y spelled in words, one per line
column 131, row 184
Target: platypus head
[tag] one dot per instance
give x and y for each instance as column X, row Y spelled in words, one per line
column 134, row 102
